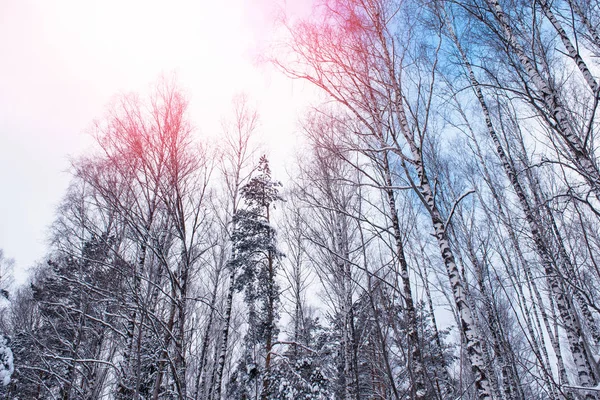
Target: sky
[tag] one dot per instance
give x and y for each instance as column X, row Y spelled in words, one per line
column 63, row 61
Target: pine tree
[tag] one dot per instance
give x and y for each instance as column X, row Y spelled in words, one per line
column 256, row 256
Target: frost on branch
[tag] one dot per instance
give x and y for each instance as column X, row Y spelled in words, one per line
column 6, row 361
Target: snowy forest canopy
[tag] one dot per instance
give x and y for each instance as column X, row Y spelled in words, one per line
column 437, row 238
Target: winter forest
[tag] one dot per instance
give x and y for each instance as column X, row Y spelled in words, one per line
column 437, row 235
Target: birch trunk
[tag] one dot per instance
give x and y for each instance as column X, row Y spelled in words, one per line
column 583, row 160
column 164, row 353
column 269, row 330
column 180, row 348
column 417, row 370
column 200, row 381
column 569, row 269
column 595, row 37
column 509, row 381
column 577, row 350
column 124, row 389
column 571, row 50
column 224, row 340
column 468, row 326
column 448, row 389
column 351, row 390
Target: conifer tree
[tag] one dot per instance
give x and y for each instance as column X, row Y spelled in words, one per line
column 256, row 256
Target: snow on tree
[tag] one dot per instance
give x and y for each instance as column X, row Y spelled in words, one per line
column 6, row 360
column 256, row 256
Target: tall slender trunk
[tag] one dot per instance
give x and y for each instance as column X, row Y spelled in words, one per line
column 569, row 270
column 180, row 366
column 200, row 381
column 128, row 368
column 538, row 345
column 539, row 348
column 216, row 387
column 417, row 370
column 509, row 381
column 595, row 37
column 164, row 353
column 448, row 389
column 571, row 50
column 577, row 350
column 381, row 337
column 468, row 326
column 71, row 370
column 351, row 389
column 270, row 325
column 583, row 160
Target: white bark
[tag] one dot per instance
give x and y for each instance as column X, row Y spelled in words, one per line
column 582, row 158
column 417, row 368
column 565, row 311
column 571, row 50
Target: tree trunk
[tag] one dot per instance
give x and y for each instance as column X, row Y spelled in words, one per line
column 225, row 339
column 567, row 316
column 583, row 160
column 571, row 50
column 417, row 371
column 200, row 381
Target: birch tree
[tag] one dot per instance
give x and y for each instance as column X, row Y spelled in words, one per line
column 370, row 79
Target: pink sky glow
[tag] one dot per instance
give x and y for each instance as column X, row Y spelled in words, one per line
column 63, row 60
